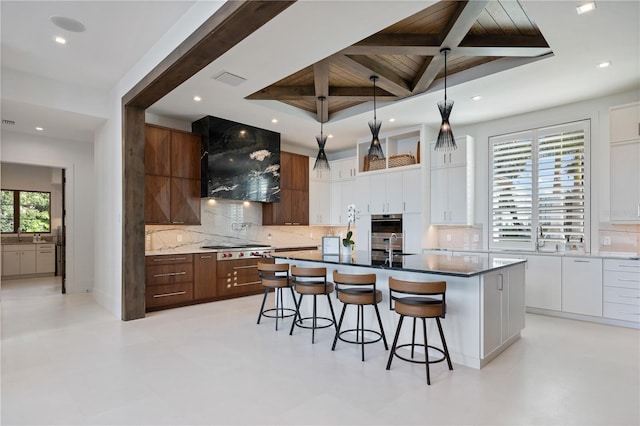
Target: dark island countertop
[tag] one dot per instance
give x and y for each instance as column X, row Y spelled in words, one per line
column 459, row 265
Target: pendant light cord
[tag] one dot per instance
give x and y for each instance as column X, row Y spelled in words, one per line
column 445, row 75
column 374, row 78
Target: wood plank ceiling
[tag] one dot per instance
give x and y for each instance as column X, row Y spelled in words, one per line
column 484, row 37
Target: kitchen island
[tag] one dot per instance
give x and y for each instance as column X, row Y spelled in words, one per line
column 485, row 296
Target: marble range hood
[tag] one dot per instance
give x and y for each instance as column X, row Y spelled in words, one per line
column 238, row 161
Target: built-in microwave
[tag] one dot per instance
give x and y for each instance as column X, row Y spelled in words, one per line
column 382, row 228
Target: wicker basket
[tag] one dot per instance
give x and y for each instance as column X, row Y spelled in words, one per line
column 377, row 164
column 401, row 160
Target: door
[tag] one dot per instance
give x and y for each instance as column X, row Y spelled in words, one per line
column 62, row 245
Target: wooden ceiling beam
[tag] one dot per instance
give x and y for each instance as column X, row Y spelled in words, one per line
column 321, row 84
column 458, row 27
column 280, row 93
column 506, row 40
column 364, row 68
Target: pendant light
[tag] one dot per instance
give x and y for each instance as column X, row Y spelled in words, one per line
column 321, row 160
column 445, row 141
column 375, row 150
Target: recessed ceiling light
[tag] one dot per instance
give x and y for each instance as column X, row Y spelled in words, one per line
column 197, row 98
column 60, row 40
column 330, row 136
column 274, row 120
column 391, row 120
column 587, row 7
column 604, row 64
column 39, row 129
column 68, row 24
column 476, row 97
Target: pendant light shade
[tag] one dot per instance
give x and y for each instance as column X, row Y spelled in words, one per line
column 445, row 141
column 321, row 160
column 375, row 149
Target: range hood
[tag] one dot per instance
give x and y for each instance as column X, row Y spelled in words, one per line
column 238, row 161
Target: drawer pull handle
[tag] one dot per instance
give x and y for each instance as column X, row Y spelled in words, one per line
column 177, row 223
column 628, row 297
column 205, row 257
column 581, row 261
column 177, row 293
column 249, row 283
column 171, row 259
column 246, row 267
column 630, row 313
column 170, row 274
column 630, row 266
column 628, row 280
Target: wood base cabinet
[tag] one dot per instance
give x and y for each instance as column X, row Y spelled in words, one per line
column 239, row 277
column 205, row 276
column 169, row 280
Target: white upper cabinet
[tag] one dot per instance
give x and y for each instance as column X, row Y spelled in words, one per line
column 363, row 194
column 625, row 122
column 452, row 184
column 324, row 175
column 343, row 169
column 412, row 191
column 625, row 164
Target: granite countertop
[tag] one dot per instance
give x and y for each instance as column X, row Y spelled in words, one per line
column 442, row 264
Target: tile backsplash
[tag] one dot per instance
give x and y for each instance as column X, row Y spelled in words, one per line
column 619, row 238
column 229, row 222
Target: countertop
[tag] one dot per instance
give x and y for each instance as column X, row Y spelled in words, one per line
column 602, row 254
column 460, row 265
column 15, row 243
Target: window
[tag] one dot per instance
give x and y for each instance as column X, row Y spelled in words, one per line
column 538, row 186
column 27, row 211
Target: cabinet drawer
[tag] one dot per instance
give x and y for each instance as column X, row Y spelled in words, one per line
column 621, row 265
column 621, row 279
column 164, row 295
column 168, row 259
column 169, row 274
column 621, row 311
column 45, row 246
column 628, row 296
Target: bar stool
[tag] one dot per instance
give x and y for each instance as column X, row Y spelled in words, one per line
column 359, row 290
column 312, row 281
column 275, row 276
column 411, row 299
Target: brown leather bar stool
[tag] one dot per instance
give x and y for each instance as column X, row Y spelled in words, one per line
column 275, row 276
column 312, row 281
column 359, row 290
column 419, row 300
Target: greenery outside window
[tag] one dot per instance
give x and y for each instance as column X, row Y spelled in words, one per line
column 539, row 180
column 27, row 211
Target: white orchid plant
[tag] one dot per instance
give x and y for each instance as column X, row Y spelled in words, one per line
column 352, row 215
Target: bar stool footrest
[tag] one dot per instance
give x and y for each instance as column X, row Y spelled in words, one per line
column 361, row 332
column 329, row 322
column 417, row 361
column 279, row 314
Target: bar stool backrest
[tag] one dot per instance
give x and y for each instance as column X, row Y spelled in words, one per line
column 309, row 275
column 274, row 274
column 416, row 292
column 354, row 283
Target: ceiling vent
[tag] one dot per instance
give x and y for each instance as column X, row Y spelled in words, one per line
column 8, row 122
column 230, row 79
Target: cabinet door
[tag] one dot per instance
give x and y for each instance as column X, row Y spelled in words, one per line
column 544, row 282
column 457, row 195
column 319, row 202
column 393, row 190
column 336, row 203
column 454, row 157
column 204, row 276
column 11, row 262
column 348, row 197
column 582, row 286
column 157, row 199
column 28, row 262
column 378, row 194
column 492, row 315
column 363, row 232
column 412, row 191
column 363, row 194
column 157, row 151
column 412, row 233
column 300, row 207
column 439, row 196
column 625, row 122
column 185, row 155
column 515, row 280
column 318, row 174
column 185, row 201
column 625, row 182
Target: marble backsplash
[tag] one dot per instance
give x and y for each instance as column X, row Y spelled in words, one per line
column 232, row 222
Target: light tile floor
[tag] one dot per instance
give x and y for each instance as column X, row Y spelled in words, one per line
column 67, row 361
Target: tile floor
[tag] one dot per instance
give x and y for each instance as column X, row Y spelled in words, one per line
column 67, row 361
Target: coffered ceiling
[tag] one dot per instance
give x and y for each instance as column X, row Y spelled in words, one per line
column 406, row 57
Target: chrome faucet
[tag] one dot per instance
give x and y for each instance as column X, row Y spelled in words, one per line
column 392, row 238
column 539, row 235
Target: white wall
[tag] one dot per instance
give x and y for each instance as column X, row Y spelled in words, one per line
column 77, row 159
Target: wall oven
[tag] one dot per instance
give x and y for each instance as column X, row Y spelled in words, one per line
column 383, row 226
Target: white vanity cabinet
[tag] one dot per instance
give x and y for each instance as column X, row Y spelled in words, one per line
column 18, row 259
column 582, row 285
column 625, row 163
column 621, row 285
